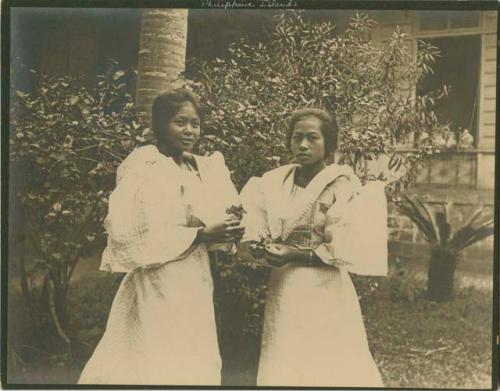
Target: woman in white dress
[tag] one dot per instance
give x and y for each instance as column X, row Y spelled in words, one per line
column 314, row 223
column 167, row 211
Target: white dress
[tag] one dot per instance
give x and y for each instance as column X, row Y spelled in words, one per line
column 161, row 327
column 313, row 329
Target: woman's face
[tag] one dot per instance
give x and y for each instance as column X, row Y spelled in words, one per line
column 184, row 129
column 308, row 143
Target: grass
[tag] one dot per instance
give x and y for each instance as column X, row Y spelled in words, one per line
column 421, row 344
column 416, row 343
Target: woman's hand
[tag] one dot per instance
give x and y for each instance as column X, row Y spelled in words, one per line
column 280, row 254
column 229, row 231
column 256, row 249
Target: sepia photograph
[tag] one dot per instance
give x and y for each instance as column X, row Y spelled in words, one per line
column 249, row 195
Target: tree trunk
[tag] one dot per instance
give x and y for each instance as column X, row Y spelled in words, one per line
column 25, row 287
column 162, row 54
column 442, row 265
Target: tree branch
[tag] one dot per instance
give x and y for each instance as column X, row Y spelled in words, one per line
column 112, row 154
column 75, row 259
column 25, row 287
column 55, row 318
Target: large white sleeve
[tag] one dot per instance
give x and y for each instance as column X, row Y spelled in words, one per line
column 222, row 196
column 356, row 230
column 146, row 225
column 255, row 218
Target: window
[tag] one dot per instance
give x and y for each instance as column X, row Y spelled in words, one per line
column 458, row 68
column 446, row 20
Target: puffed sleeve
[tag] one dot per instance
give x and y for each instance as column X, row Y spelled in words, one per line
column 255, row 218
column 356, row 228
column 219, row 195
column 146, row 225
column 226, row 194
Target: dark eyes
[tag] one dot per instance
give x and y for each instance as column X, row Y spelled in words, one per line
column 311, row 137
column 182, row 122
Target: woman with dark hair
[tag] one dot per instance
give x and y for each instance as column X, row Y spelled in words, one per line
column 167, row 211
column 314, row 223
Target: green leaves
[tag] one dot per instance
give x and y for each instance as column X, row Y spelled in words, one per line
column 118, row 74
column 436, row 227
column 66, row 143
column 250, row 94
column 73, row 100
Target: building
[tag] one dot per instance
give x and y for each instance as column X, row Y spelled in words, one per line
column 468, row 42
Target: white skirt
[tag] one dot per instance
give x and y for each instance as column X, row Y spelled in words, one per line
column 161, row 328
column 313, row 332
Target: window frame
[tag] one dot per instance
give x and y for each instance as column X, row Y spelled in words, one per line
column 448, row 31
column 416, row 35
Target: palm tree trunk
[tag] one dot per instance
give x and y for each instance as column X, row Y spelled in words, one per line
column 442, row 266
column 162, row 54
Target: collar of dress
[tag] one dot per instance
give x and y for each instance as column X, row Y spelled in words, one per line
column 277, row 186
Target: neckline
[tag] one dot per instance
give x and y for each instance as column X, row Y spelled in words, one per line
column 191, row 171
column 318, row 174
column 190, row 167
column 193, row 168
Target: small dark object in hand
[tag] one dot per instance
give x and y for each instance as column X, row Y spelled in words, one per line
column 237, row 211
column 258, row 249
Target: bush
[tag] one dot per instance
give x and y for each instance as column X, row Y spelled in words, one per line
column 250, row 94
column 239, row 298
column 66, row 143
column 400, row 286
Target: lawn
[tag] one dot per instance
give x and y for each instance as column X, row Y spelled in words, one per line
column 416, row 343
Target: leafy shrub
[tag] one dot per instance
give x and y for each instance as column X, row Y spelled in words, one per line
column 66, row 143
column 250, row 94
column 403, row 286
column 400, row 285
